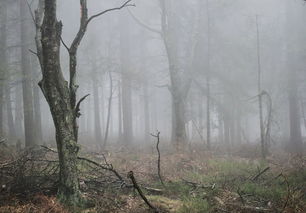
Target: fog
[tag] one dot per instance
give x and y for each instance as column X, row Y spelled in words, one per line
column 225, row 41
column 213, row 85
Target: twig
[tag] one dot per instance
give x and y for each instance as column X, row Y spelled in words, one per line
column 108, row 168
column 158, row 152
column 135, row 185
column 260, row 173
column 288, row 192
column 240, row 195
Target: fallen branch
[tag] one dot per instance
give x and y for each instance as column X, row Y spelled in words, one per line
column 135, row 185
column 108, row 167
column 260, row 173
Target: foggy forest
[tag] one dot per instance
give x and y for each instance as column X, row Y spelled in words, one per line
column 131, row 106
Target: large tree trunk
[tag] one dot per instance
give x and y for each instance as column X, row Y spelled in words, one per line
column 27, row 74
column 57, row 94
column 178, row 122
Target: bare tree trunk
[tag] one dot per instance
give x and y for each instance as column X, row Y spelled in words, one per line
column 127, row 117
column 37, row 114
column 3, row 17
column 97, row 107
column 294, row 114
column 27, row 74
column 220, row 126
column 146, row 113
column 9, row 112
column 110, row 99
column 61, row 95
column 208, row 79
column 119, row 111
column 261, row 123
column 18, row 111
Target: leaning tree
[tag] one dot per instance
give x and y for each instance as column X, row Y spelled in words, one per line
column 61, row 94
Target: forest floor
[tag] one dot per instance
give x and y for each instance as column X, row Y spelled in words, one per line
column 194, row 181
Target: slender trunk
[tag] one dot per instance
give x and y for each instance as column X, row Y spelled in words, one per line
column 119, row 111
column 37, row 114
column 10, row 119
column 227, row 130
column 294, row 115
column 110, row 99
column 18, row 111
column 146, row 113
column 126, row 82
column 208, row 78
column 208, row 114
column 97, row 108
column 27, row 73
column 261, row 123
column 221, row 127
column 3, row 17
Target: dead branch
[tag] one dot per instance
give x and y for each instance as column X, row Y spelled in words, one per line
column 139, row 22
column 240, row 195
column 77, row 109
column 2, row 140
column 288, row 192
column 136, row 186
column 158, row 152
column 108, row 168
column 126, row 4
column 260, row 173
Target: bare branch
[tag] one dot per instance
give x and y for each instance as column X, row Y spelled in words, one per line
column 35, row 53
column 30, row 9
column 77, row 109
column 126, row 4
column 144, row 25
column 65, row 45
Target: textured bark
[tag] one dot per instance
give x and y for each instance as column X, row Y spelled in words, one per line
column 60, row 95
column 57, row 94
column 25, row 26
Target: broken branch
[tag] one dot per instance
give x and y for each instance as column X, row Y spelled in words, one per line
column 135, row 185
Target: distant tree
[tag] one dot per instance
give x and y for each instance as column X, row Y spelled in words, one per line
column 27, row 92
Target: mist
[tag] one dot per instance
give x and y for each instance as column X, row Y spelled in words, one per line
column 200, row 80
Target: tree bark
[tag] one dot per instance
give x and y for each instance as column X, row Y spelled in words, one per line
column 57, row 94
